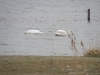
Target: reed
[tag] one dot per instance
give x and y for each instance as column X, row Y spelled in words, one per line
column 93, row 50
column 79, row 63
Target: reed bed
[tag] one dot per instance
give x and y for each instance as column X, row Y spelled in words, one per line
column 84, row 68
column 94, row 52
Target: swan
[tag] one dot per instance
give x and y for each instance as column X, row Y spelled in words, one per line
column 63, row 33
column 33, row 32
column 60, row 32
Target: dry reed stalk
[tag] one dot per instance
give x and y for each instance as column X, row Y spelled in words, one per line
column 84, row 59
column 82, row 44
column 52, row 56
column 76, row 59
column 83, row 47
column 73, row 47
column 74, row 38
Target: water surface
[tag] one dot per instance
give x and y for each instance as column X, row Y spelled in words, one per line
column 18, row 16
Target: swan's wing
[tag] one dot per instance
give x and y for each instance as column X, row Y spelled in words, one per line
column 33, row 31
column 37, row 31
column 59, row 34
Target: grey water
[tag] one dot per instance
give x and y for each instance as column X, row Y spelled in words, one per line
column 18, row 16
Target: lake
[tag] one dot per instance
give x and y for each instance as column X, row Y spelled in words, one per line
column 18, row 16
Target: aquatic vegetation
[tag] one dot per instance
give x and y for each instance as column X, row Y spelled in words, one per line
column 94, row 52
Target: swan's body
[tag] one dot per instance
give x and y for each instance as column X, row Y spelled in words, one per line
column 60, row 32
column 33, row 32
column 63, row 32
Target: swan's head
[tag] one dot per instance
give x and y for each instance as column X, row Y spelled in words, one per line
column 70, row 32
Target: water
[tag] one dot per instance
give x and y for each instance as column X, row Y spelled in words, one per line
column 18, row 16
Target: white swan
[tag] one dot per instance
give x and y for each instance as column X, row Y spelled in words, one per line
column 60, row 33
column 63, row 33
column 33, row 32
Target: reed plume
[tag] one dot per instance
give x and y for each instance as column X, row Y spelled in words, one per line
column 82, row 44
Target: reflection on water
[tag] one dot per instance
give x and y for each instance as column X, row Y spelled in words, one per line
column 16, row 17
